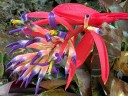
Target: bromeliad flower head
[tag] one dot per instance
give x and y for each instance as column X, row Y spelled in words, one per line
column 41, row 62
column 45, row 59
column 53, row 45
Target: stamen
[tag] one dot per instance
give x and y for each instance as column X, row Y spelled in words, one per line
column 86, row 20
column 53, row 32
column 50, row 66
column 97, row 30
column 17, row 22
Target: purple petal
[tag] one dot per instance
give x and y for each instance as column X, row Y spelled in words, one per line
column 20, row 78
column 59, row 58
column 39, row 54
column 9, row 64
column 13, row 73
column 14, row 48
column 23, row 70
column 41, row 64
column 33, row 73
column 55, row 70
column 20, row 61
column 37, row 39
column 48, row 37
column 12, row 44
column 14, row 31
column 40, row 77
column 24, row 17
column 12, row 61
column 52, row 20
column 74, row 60
column 62, row 34
column 10, row 67
column 22, row 42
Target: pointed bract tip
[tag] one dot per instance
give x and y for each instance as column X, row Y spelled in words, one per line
column 34, row 59
column 37, row 39
column 13, row 73
column 14, row 31
column 23, row 83
column 38, row 83
column 13, row 49
column 22, row 72
column 20, row 61
column 11, row 44
column 8, row 68
column 33, row 73
column 17, row 81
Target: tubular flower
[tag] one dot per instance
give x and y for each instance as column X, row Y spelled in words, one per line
column 53, row 45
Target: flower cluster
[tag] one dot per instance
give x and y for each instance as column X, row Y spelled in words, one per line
column 53, row 45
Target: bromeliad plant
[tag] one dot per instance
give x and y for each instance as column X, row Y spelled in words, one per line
column 53, row 45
